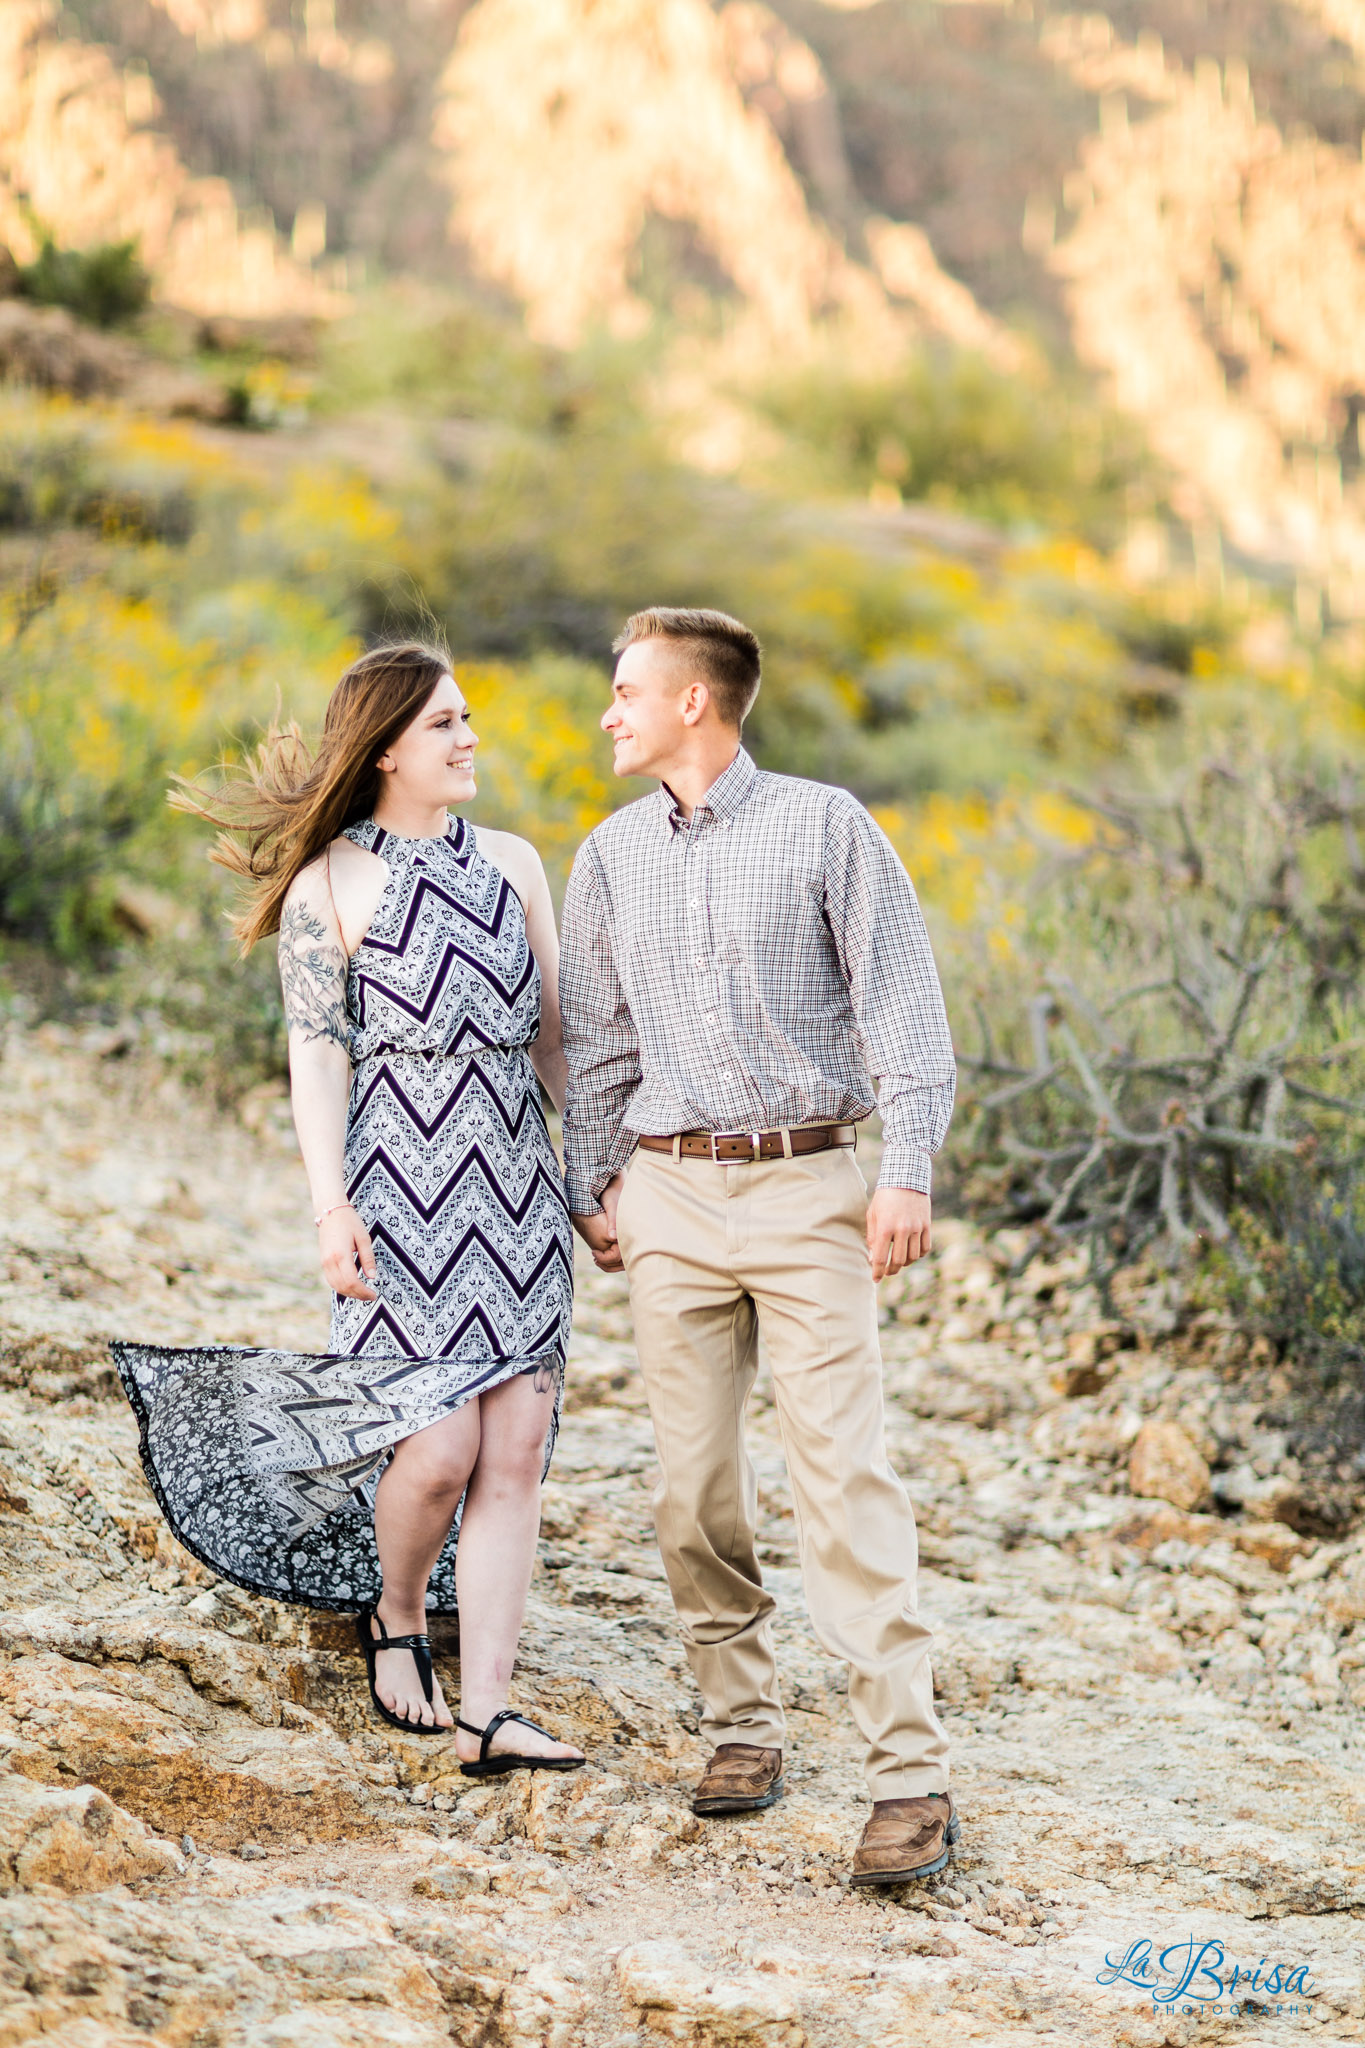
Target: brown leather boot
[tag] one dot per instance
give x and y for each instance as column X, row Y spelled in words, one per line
column 906, row 1838
column 739, row 1778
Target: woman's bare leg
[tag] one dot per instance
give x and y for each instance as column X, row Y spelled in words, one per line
column 496, row 1553
column 414, row 1507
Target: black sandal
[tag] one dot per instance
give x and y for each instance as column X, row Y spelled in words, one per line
column 420, row 1647
column 509, row 1759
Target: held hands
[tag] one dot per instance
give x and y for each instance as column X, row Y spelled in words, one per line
column 344, row 1246
column 599, row 1232
column 897, row 1230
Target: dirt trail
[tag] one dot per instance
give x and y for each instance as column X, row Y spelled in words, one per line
column 1155, row 1711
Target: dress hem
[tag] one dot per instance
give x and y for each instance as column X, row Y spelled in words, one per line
column 263, row 1590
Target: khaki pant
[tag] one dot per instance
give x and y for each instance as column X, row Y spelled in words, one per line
column 713, row 1255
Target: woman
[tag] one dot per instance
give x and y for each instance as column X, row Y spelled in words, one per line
column 418, row 959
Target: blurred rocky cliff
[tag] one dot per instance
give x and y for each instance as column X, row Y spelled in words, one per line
column 1169, row 192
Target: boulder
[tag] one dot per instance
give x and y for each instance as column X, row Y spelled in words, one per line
column 45, row 347
column 77, row 1840
column 150, row 913
column 678, row 1999
column 290, row 337
column 1345, row 1593
column 1164, row 1465
column 149, row 1737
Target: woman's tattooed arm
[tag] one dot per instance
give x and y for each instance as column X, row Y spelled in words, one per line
column 313, row 977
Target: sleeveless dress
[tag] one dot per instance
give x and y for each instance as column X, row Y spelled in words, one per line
column 265, row 1463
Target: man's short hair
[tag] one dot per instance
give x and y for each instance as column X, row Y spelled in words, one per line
column 728, row 654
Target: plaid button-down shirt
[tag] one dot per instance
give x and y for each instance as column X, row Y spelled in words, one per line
column 751, row 968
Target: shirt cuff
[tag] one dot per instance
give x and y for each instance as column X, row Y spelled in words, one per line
column 579, row 1194
column 906, row 1166
column 583, row 1188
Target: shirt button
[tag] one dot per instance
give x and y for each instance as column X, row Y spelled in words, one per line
column 727, row 1075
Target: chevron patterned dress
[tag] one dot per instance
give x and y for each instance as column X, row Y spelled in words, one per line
column 264, row 1462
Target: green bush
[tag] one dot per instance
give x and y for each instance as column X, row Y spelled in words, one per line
column 949, row 427
column 105, row 285
column 1304, row 1282
column 452, row 357
column 55, row 846
column 1299, row 1280
column 58, row 471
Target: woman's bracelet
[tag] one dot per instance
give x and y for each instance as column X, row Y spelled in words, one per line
column 317, row 1220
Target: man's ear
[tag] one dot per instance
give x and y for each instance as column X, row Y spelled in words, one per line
column 695, row 699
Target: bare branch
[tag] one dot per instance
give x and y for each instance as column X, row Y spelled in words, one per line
column 1073, row 1182
column 1029, row 1085
column 1242, row 940
column 1209, row 1213
column 1339, row 1102
column 984, row 1023
column 1103, row 1106
column 1170, row 1195
column 1144, row 988
column 1039, row 1013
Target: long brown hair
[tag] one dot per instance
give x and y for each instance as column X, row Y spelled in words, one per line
column 288, row 803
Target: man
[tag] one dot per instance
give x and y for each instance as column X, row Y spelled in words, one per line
column 740, row 949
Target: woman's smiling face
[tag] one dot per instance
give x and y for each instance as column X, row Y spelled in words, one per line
column 432, row 760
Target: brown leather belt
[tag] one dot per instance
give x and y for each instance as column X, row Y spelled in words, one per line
column 742, row 1148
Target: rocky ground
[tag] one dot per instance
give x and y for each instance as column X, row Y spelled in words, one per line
column 1153, row 1680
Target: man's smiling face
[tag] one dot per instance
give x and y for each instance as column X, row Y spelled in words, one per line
column 645, row 719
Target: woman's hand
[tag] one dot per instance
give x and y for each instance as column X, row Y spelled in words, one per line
column 347, row 1255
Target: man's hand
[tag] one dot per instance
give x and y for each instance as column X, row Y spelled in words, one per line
column 599, row 1232
column 897, row 1229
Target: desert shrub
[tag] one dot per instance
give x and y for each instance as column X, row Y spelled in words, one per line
column 127, row 512
column 537, row 499
column 327, row 534
column 45, row 455
column 1298, row 1280
column 134, row 482
column 105, row 285
column 546, row 536
column 1170, row 1041
column 552, row 502
column 455, row 356
column 1303, row 1280
column 889, row 675
column 96, row 700
column 104, row 694
column 55, row 843
column 1180, row 637
column 947, row 426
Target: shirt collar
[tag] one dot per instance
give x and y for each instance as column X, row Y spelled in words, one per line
column 731, row 788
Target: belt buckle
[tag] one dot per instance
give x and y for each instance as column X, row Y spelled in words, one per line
column 749, row 1138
